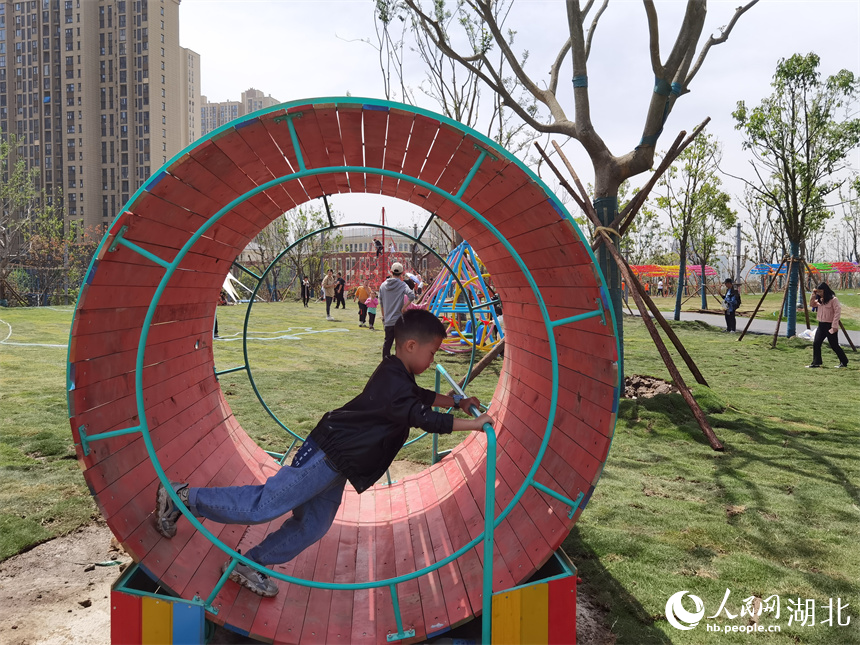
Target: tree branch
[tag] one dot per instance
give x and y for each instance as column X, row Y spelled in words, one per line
column 593, row 27
column 724, row 35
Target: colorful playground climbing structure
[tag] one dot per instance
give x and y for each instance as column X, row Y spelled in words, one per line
column 462, row 297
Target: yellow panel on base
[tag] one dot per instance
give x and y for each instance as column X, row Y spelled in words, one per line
column 534, row 626
column 156, row 622
column 506, row 618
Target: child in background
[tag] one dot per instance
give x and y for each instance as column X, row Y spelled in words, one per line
column 372, row 303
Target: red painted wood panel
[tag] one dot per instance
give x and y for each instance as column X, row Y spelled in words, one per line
column 431, row 586
column 349, row 117
column 363, row 601
column 408, row 592
column 340, row 617
column 375, row 124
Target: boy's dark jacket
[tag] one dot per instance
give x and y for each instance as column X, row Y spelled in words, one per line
column 363, row 437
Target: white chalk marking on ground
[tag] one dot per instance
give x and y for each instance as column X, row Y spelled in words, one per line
column 286, row 334
column 5, row 341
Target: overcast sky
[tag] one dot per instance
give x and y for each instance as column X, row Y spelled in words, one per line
column 296, row 49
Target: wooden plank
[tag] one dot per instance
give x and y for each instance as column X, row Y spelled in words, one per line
column 364, row 610
column 397, row 138
column 507, row 538
column 424, row 130
column 156, row 621
column 535, row 601
column 189, row 623
column 313, row 148
column 562, row 611
column 386, row 562
column 375, row 123
column 349, row 117
column 125, row 618
column 340, row 618
column 432, row 592
column 330, row 131
column 408, row 592
column 446, row 481
column 280, row 134
column 502, row 578
column 507, row 618
column 459, row 166
column 319, row 600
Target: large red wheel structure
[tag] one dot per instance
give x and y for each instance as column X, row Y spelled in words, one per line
column 143, row 395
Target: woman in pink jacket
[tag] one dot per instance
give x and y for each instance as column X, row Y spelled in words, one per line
column 829, row 311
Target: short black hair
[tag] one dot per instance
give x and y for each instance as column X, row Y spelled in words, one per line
column 420, row 325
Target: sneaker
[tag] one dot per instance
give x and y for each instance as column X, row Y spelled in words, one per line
column 329, row 318
column 814, row 365
column 841, row 365
column 362, row 325
column 252, row 579
column 166, row 512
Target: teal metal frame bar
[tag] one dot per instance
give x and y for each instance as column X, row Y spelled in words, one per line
column 261, row 278
column 171, row 267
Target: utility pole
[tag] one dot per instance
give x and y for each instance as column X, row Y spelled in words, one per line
column 738, row 251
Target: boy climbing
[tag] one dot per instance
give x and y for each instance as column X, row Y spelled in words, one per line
column 355, row 443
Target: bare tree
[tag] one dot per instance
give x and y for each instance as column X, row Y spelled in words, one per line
column 673, row 75
column 306, row 256
column 455, row 89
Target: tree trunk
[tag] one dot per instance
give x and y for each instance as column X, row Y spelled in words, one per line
column 791, row 300
column 606, row 206
column 682, row 278
column 702, row 279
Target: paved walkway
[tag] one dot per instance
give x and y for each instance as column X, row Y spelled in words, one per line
column 760, row 324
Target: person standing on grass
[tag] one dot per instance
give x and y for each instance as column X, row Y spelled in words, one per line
column 372, row 303
column 829, row 312
column 355, row 443
column 360, row 296
column 660, row 287
column 306, row 291
column 327, row 285
column 339, row 288
column 731, row 302
column 391, row 293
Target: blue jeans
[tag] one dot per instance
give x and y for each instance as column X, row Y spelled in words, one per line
column 310, row 488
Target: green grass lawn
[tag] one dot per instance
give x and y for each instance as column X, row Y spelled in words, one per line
column 776, row 513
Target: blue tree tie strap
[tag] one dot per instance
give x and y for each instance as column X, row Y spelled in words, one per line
column 580, row 81
column 662, row 88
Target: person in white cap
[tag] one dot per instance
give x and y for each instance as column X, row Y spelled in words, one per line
column 391, row 294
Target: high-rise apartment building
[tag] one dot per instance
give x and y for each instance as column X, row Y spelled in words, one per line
column 191, row 82
column 215, row 114
column 99, row 93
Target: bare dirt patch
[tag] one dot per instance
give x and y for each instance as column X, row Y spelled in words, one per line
column 58, row 593
column 638, row 386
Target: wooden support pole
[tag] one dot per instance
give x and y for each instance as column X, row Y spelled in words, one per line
column 625, row 217
column 657, row 314
column 661, row 348
column 763, row 296
column 635, row 284
column 488, row 358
